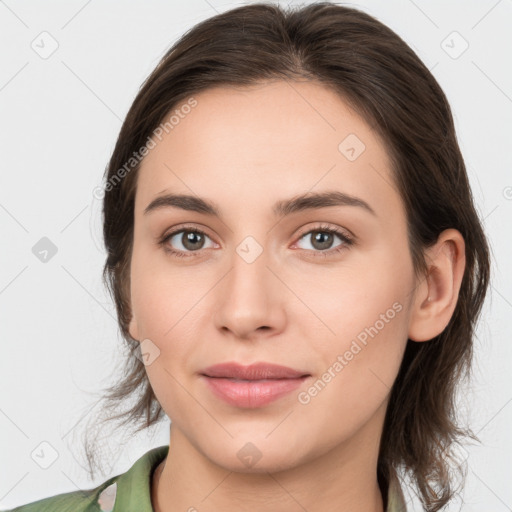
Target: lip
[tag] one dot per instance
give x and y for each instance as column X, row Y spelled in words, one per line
column 252, row 386
column 255, row 371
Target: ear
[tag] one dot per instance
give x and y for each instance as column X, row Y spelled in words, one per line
column 436, row 296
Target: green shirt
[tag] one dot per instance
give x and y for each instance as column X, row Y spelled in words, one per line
column 131, row 492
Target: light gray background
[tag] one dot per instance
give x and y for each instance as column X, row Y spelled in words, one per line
column 59, row 120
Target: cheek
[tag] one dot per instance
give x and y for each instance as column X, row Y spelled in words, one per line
column 365, row 290
column 364, row 312
column 359, row 368
column 363, row 333
column 167, row 308
column 164, row 293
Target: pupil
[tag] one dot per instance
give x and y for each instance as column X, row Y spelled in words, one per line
column 324, row 239
column 190, row 238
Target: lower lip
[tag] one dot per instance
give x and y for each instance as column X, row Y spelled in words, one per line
column 252, row 394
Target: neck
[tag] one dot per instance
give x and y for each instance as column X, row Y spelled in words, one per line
column 342, row 479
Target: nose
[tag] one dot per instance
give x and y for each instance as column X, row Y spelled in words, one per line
column 249, row 301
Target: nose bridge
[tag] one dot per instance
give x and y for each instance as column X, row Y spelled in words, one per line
column 250, row 255
column 248, row 279
column 249, row 298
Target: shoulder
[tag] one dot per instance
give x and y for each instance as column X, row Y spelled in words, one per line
column 117, row 490
column 77, row 501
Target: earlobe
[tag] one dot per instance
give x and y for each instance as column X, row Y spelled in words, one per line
column 436, row 296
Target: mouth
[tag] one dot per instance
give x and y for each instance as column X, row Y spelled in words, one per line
column 252, row 386
column 256, row 371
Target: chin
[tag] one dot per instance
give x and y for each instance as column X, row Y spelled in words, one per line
column 253, row 460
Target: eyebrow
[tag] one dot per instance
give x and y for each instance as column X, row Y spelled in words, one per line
column 280, row 209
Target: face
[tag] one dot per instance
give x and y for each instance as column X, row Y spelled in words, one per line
column 323, row 287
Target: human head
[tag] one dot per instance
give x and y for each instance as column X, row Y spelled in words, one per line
column 382, row 80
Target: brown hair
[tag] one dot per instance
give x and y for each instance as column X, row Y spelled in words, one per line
column 373, row 69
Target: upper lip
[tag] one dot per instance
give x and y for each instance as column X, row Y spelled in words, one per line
column 255, row 371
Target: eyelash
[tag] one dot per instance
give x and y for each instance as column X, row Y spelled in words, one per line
column 347, row 241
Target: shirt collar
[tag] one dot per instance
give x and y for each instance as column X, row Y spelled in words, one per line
column 134, row 487
column 396, row 500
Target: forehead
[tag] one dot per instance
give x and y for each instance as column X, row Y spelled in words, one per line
column 265, row 142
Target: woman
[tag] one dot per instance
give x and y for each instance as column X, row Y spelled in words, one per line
column 295, row 255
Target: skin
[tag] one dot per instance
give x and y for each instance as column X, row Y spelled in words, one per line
column 245, row 149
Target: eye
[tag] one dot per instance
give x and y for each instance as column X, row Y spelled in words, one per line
column 322, row 239
column 185, row 241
